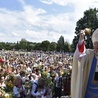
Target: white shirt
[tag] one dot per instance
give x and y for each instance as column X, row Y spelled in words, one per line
column 16, row 91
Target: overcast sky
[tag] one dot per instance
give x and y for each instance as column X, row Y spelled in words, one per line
column 40, row 20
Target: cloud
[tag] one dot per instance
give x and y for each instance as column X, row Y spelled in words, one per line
column 15, row 34
column 59, row 2
column 36, row 25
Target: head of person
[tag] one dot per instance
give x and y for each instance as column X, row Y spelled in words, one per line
column 95, row 40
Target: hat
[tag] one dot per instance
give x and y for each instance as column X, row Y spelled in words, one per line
column 95, row 36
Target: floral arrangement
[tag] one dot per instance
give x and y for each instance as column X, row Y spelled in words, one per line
column 46, row 79
column 44, row 75
column 27, row 85
column 10, row 83
column 3, row 94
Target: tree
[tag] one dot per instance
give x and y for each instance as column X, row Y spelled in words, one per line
column 45, row 45
column 60, row 44
column 89, row 20
column 23, row 44
column 52, row 46
column 37, row 46
column 1, row 46
column 67, row 47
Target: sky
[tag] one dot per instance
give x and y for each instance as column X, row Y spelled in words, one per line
column 40, row 20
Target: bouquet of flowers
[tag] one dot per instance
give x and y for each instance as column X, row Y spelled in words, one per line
column 3, row 94
column 27, row 84
column 10, row 83
column 46, row 79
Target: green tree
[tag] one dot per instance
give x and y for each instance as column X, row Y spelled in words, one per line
column 60, row 44
column 1, row 46
column 45, row 45
column 23, row 44
column 89, row 20
column 52, row 46
column 67, row 47
column 37, row 46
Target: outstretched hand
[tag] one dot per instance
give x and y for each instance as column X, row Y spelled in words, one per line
column 81, row 35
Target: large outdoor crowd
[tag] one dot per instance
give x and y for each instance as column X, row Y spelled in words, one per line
column 35, row 74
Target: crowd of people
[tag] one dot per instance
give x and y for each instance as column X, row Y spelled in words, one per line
column 35, row 74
